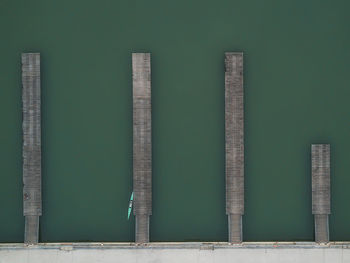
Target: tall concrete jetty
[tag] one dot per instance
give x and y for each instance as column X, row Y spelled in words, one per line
column 321, row 190
column 32, row 205
column 234, row 140
column 142, row 144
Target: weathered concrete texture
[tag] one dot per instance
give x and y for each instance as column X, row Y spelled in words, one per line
column 32, row 207
column 142, row 145
column 235, row 228
column 321, row 192
column 180, row 252
column 321, row 228
column 142, row 226
column 234, row 138
column 321, row 202
column 31, row 229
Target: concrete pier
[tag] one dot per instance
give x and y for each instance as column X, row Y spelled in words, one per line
column 321, row 202
column 32, row 207
column 142, row 145
column 234, row 140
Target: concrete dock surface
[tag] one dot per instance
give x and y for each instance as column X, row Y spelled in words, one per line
column 272, row 252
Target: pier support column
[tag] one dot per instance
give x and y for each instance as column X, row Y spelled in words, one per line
column 32, row 207
column 142, row 145
column 234, row 144
column 321, row 203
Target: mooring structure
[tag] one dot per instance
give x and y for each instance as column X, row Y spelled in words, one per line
column 234, row 144
column 142, row 151
column 321, row 190
column 32, row 204
column 142, row 144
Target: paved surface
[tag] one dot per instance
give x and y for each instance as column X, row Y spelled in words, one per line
column 176, row 252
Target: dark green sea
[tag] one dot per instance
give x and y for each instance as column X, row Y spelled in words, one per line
column 297, row 90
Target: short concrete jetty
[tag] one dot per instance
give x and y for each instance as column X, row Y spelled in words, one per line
column 142, row 145
column 234, row 140
column 321, row 192
column 32, row 205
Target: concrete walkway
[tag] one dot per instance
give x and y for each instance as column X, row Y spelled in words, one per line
column 308, row 252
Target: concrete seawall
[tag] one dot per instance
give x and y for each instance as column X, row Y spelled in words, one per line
column 308, row 252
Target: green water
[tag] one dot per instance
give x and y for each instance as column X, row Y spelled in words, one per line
column 297, row 61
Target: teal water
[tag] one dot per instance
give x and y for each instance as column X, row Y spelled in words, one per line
column 296, row 63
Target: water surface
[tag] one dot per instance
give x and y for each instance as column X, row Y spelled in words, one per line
column 296, row 81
